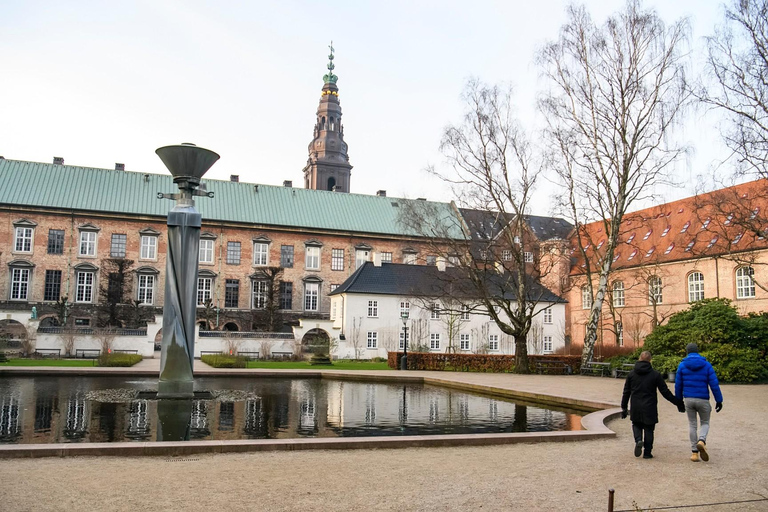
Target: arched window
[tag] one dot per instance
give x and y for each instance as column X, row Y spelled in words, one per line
column 745, row 285
column 618, row 294
column 695, row 286
column 586, row 297
column 331, row 183
column 333, row 124
column 655, row 295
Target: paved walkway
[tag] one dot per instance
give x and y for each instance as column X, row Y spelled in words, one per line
column 549, row 476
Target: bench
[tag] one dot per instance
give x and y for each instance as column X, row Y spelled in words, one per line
column 282, row 355
column 48, row 352
column 623, row 370
column 599, row 369
column 553, row 367
column 116, row 351
column 248, row 355
column 87, row 353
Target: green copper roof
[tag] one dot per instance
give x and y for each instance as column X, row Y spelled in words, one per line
column 103, row 190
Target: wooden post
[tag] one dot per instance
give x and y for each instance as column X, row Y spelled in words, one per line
column 610, row 500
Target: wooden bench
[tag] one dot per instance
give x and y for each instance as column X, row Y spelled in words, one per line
column 623, row 370
column 211, row 352
column 250, row 356
column 594, row 368
column 116, row 351
column 87, row 353
column 48, row 352
column 282, row 355
column 553, row 367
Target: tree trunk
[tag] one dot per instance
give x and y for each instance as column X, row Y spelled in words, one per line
column 521, row 355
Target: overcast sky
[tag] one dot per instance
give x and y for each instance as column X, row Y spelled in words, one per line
column 104, row 82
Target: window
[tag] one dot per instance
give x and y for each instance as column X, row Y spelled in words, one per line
column 409, row 258
column 493, row 342
column 631, row 237
column 88, row 244
column 146, row 288
column 517, row 239
column 311, row 292
column 55, row 241
column 52, row 290
column 618, row 294
column 148, row 247
column 586, row 297
column 233, row 253
column 737, row 238
column 705, row 225
column 259, row 294
column 373, row 339
column 745, row 285
column 117, row 246
column 82, row 322
column 464, row 313
column 403, row 336
column 434, row 311
column 20, row 283
column 373, row 309
column 666, row 230
column 386, row 257
column 405, row 309
column 332, row 287
column 695, row 286
column 506, row 255
column 547, row 315
column 754, row 213
column 728, row 219
column 84, row 290
column 431, row 260
column 337, row 259
column 204, row 287
column 463, row 341
column 669, row 249
column 655, row 295
column 206, row 251
column 690, row 245
column 547, row 344
column 232, row 289
column 634, row 253
column 648, row 234
column 685, row 228
column 620, row 334
column 260, row 254
column 286, row 256
column 23, row 242
column 528, row 257
column 312, row 261
column 286, row 295
column 361, row 256
column 650, row 251
column 434, row 341
column 453, row 261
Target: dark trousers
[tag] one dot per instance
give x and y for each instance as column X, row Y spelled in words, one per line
column 644, row 433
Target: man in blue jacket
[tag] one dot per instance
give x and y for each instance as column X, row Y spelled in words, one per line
column 695, row 377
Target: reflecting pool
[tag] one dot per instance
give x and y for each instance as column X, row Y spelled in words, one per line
column 104, row 409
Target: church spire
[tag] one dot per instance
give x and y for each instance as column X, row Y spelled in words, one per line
column 328, row 165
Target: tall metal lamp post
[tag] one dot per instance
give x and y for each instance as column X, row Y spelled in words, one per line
column 404, row 360
column 187, row 163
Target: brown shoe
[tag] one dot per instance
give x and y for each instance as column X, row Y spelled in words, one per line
column 695, row 457
column 702, row 446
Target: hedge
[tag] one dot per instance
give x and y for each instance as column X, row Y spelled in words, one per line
column 224, row 361
column 119, row 359
column 492, row 363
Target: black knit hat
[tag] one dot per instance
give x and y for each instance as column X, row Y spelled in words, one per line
column 691, row 348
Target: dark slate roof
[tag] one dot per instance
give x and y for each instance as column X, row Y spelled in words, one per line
column 429, row 281
column 486, row 225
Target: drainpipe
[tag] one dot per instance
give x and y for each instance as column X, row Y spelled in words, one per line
column 717, row 279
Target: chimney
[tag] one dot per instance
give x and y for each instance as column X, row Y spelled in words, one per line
column 377, row 259
column 421, row 198
column 381, row 193
column 334, row 189
column 234, row 178
column 119, row 167
column 58, row 160
column 441, row 264
column 287, row 183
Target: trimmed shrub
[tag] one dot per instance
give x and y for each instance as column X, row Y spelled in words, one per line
column 224, row 361
column 734, row 364
column 492, row 363
column 119, row 359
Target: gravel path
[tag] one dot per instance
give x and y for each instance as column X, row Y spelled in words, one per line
column 549, row 476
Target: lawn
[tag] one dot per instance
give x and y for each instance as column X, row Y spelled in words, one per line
column 304, row 365
column 50, row 362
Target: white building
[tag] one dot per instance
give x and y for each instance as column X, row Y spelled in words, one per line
column 366, row 312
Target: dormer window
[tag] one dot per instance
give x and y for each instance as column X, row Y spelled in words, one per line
column 666, row 230
column 632, row 255
column 685, row 228
column 669, row 249
column 616, row 258
column 754, row 213
column 690, row 245
column 729, row 219
column 712, row 242
column 601, row 243
column 706, row 223
column 631, row 237
column 648, row 234
column 737, row 239
column 650, row 251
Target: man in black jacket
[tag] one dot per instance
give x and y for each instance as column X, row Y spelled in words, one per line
column 640, row 389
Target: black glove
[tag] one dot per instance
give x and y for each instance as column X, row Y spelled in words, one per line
column 681, row 407
column 624, row 413
column 718, row 406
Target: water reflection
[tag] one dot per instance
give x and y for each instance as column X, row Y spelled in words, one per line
column 281, row 408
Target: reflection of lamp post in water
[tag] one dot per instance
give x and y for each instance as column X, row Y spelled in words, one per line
column 187, row 164
column 404, row 360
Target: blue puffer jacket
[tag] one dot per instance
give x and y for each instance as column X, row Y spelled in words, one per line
column 694, row 378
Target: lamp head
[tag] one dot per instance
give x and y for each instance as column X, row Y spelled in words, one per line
column 187, row 162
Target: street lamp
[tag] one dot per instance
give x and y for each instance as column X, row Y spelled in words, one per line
column 404, row 360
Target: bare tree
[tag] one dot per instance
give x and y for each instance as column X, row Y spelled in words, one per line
column 493, row 169
column 232, row 342
column 535, row 338
column 354, row 337
column 265, row 348
column 106, row 339
column 68, row 337
column 616, row 92
column 635, row 328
